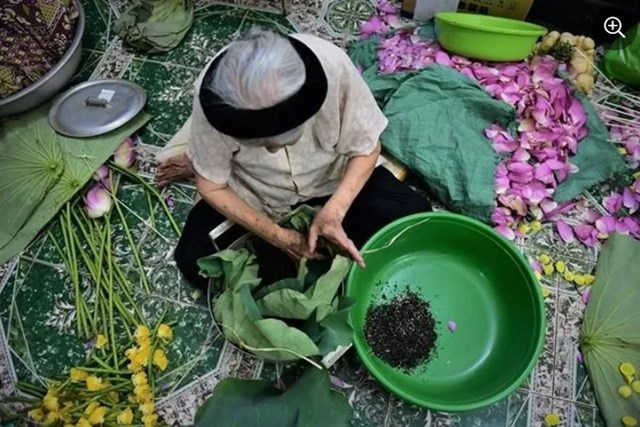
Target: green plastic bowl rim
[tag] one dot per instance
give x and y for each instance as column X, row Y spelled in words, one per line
column 523, row 263
column 535, row 30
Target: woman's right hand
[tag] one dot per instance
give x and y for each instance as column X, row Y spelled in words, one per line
column 294, row 243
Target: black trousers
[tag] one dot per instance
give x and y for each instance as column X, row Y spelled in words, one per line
column 382, row 200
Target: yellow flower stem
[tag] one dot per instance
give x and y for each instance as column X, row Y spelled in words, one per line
column 112, row 328
column 154, row 334
column 134, row 249
column 105, row 370
column 152, row 215
column 153, row 191
column 100, row 362
column 31, row 389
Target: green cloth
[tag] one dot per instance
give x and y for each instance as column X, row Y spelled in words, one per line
column 437, row 119
column 43, row 170
column 153, row 26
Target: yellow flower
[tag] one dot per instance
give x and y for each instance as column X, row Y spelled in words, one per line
column 147, row 408
column 579, row 279
column 589, row 279
column 524, row 228
column 113, row 397
column 92, row 406
column 636, row 386
column 101, row 341
column 569, row 276
column 82, row 422
column 548, row 269
column 50, row 401
column 627, row 369
column 143, row 393
column 51, row 418
column 552, row 420
column 125, row 417
column 139, row 379
column 150, row 420
column 93, row 383
column 545, row 292
column 538, row 275
column 142, row 356
column 629, row 421
column 545, row 259
column 624, row 391
column 77, row 374
column 97, row 416
column 165, row 332
column 64, row 412
column 622, row 151
column 536, row 225
column 160, row 359
column 636, row 175
column 37, row 415
column 130, row 352
column 134, row 366
column 141, row 333
column 560, row 267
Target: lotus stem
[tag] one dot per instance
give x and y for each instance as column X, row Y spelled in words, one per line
column 110, row 291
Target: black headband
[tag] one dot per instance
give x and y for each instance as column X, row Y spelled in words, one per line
column 270, row 121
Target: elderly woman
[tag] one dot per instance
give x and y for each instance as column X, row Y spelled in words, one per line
column 280, row 121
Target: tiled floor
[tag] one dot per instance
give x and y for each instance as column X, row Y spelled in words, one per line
column 36, row 305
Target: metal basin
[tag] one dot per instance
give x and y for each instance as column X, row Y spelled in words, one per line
column 51, row 83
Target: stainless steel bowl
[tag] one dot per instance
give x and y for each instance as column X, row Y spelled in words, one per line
column 51, row 83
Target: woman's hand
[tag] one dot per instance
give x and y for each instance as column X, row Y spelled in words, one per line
column 328, row 224
column 293, row 243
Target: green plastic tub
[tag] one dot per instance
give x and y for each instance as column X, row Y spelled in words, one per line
column 487, row 37
column 470, row 275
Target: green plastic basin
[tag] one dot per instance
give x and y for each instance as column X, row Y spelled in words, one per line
column 470, row 275
column 486, row 37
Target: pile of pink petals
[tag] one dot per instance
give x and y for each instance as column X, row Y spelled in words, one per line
column 380, row 23
column 551, row 124
column 628, row 137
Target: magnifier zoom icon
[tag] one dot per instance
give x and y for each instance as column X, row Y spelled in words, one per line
column 613, row 25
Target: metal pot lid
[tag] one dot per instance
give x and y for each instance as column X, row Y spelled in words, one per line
column 96, row 107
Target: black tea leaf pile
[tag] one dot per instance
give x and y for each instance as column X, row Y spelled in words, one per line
column 402, row 331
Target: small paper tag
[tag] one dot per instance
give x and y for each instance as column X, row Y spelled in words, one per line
column 106, row 94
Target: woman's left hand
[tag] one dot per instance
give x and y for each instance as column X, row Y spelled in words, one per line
column 328, row 224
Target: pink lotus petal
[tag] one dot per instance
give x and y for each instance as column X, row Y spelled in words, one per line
column 591, row 216
column 486, row 73
column 630, row 224
column 520, row 167
column 585, row 296
column 577, row 114
column 443, row 58
column 513, row 202
column 536, row 266
column 621, row 227
column 337, row 382
column 375, row 25
column 507, row 232
column 534, row 192
column 452, row 326
column 629, row 200
column 393, row 21
column 502, row 185
column 101, row 173
column 613, row 203
column 565, row 232
column 579, row 357
column 385, row 7
column 544, row 174
column 125, row 154
column 548, row 206
column 584, row 232
column 555, row 165
column 522, row 178
column 521, row 155
column 606, row 225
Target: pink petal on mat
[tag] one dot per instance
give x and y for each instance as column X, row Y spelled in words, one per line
column 386, row 7
column 555, row 164
column 452, row 326
column 486, row 73
column 579, row 357
column 536, row 266
column 613, row 203
column 375, row 25
column 507, row 232
column 585, row 296
column 521, row 178
column 621, row 227
column 591, row 216
column 502, row 184
column 442, row 58
column 586, row 234
column 548, row 205
column 544, row 174
column 606, row 225
column 631, row 224
column 565, row 232
column 513, row 202
column 629, row 200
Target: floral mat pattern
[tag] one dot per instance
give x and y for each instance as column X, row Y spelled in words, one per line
column 36, row 302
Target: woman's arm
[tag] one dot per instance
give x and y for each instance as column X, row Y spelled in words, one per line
column 328, row 222
column 228, row 203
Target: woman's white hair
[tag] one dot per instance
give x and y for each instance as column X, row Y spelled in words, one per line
column 258, row 71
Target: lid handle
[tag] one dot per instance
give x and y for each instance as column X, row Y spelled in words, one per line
column 96, row 102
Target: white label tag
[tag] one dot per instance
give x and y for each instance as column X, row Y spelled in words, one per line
column 106, row 94
column 330, row 359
